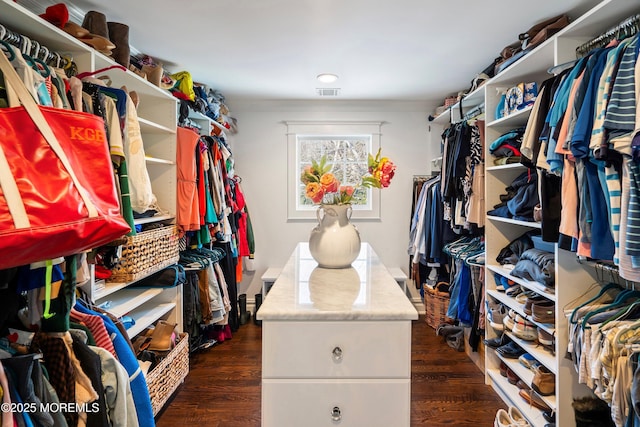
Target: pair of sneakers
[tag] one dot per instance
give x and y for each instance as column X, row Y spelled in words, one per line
column 511, row 418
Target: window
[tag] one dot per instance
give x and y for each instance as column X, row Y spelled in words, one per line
column 347, row 154
column 346, row 146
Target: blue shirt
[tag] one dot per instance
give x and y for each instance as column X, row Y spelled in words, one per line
column 584, row 124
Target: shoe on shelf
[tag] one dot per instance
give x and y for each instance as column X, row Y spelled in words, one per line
column 508, row 319
column 495, row 316
column 544, row 312
column 532, row 299
column 522, row 385
column 503, row 369
column 502, row 283
column 528, row 361
column 510, row 350
column 546, row 340
column 517, row 419
column 544, row 381
column 493, row 342
column 502, row 419
column 497, row 341
column 513, row 291
column 521, row 298
column 512, row 377
column 524, row 329
column 549, row 416
column 533, row 399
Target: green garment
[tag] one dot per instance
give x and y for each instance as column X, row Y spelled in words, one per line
column 250, row 239
column 125, row 197
column 59, row 308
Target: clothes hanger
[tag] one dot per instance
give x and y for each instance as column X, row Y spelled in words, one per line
column 8, row 50
column 601, row 293
column 621, row 314
column 593, row 286
column 476, row 260
column 93, row 73
column 38, row 65
column 620, row 301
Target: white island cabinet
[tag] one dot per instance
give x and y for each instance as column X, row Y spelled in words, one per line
column 336, row 345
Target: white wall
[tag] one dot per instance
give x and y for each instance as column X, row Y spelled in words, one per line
column 260, row 152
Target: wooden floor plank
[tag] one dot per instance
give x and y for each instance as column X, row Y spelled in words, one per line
column 223, row 385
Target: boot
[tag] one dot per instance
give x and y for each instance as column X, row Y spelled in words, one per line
column 96, row 23
column 119, row 35
column 245, row 315
column 258, row 299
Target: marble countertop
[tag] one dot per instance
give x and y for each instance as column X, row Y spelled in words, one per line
column 365, row 291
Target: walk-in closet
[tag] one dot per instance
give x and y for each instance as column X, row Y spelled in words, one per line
column 300, row 213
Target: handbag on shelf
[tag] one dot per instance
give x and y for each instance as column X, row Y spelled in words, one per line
column 57, row 187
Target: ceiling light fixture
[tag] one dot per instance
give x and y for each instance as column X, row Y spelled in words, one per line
column 327, row 77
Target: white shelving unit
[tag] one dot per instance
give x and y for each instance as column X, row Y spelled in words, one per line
column 469, row 102
column 571, row 278
column 157, row 116
column 514, row 221
column 513, row 120
column 206, row 123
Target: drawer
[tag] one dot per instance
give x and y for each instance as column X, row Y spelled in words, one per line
column 357, row 403
column 336, row 349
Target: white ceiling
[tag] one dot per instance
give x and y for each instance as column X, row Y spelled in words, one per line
column 400, row 50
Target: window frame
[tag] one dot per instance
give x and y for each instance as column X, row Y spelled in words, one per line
column 323, row 130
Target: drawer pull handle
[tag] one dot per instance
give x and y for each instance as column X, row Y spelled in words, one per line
column 337, row 354
column 336, row 415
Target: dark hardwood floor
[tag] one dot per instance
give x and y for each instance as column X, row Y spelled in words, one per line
column 223, row 385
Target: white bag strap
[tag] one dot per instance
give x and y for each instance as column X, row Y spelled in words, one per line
column 7, row 181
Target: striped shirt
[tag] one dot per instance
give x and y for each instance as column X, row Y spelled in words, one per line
column 635, row 144
column 97, row 328
column 604, row 92
column 626, row 268
column 621, row 109
column 633, row 219
column 614, row 189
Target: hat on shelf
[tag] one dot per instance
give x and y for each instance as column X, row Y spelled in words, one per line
column 56, row 14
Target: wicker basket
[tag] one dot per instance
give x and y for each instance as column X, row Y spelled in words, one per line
column 146, row 253
column 449, row 101
column 165, row 378
column 436, row 303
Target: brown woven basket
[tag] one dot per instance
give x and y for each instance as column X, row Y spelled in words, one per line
column 165, row 378
column 146, row 253
column 436, row 302
column 449, row 101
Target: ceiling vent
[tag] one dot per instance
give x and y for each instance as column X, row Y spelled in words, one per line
column 327, row 91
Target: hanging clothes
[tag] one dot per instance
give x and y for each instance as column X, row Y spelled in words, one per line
column 581, row 130
column 467, row 256
column 188, row 208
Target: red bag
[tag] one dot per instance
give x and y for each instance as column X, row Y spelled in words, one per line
column 57, row 187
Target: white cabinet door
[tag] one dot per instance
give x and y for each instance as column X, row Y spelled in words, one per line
column 356, row 349
column 331, row 403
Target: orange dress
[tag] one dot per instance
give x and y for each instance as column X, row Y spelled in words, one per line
column 188, row 206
